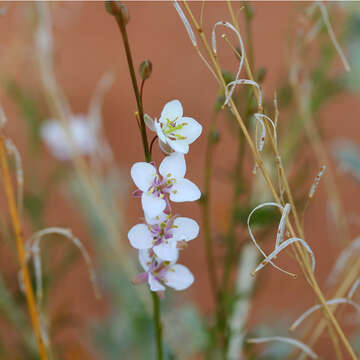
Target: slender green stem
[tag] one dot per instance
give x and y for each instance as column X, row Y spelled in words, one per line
column 122, row 27
column 157, row 325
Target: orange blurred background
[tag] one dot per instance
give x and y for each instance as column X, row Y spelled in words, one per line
column 88, row 43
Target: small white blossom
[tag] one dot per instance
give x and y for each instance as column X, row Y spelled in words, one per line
column 160, row 273
column 82, row 132
column 156, row 188
column 173, row 129
column 165, row 235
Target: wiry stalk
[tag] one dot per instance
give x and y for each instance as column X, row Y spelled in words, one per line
column 122, row 26
column 121, row 21
column 29, row 293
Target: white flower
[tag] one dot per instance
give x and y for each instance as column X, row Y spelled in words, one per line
column 165, row 235
column 160, row 273
column 82, row 132
column 173, row 129
column 154, row 187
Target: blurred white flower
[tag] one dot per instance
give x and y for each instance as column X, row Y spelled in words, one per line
column 154, row 187
column 81, row 137
column 173, row 129
column 165, row 235
column 160, row 273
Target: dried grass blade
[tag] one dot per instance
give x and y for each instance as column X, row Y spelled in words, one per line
column 353, row 289
column 342, row 259
column 33, row 249
column 330, row 30
column 287, row 340
column 282, row 246
column 281, row 228
column 185, row 22
column 242, row 51
column 308, row 312
column 254, row 240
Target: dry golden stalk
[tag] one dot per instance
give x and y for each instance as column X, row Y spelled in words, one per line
column 29, row 293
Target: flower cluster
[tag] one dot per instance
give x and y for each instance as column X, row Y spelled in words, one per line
column 162, row 234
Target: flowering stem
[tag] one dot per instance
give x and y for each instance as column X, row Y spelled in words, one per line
column 157, row 325
column 147, row 152
column 122, row 27
column 21, row 250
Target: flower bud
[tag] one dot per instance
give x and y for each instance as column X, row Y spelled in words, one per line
column 145, row 69
column 117, row 8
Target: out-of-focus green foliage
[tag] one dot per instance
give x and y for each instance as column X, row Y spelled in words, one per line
column 29, row 109
column 348, row 156
column 262, row 217
column 351, row 38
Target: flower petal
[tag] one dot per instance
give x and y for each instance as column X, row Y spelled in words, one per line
column 179, row 277
column 172, row 110
column 184, row 190
column 165, row 147
column 167, row 252
column 155, row 285
column 144, row 259
column 83, row 134
column 55, row 138
column 157, row 219
column 187, row 229
column 140, row 237
column 159, row 131
column 149, row 122
column 152, row 205
column 143, row 175
column 180, row 146
column 192, row 130
column 173, row 166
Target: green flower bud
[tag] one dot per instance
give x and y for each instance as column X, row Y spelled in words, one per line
column 145, row 69
column 117, row 8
